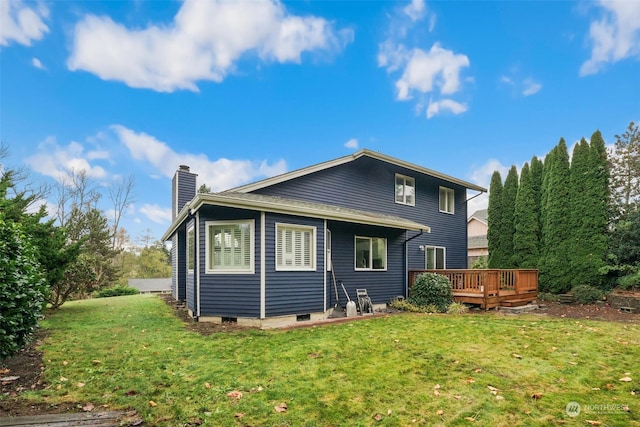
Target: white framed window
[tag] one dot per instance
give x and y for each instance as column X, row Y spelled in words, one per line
column 435, row 257
column 191, row 248
column 370, row 253
column 327, row 243
column 405, row 190
column 230, row 246
column 295, row 247
column 447, row 200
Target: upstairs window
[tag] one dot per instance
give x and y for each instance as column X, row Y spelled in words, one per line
column 230, row 246
column 371, row 253
column 435, row 258
column 295, row 246
column 405, row 190
column 447, row 200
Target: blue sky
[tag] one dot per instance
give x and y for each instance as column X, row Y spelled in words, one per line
column 244, row 90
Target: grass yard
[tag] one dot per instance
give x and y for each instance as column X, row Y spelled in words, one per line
column 410, row 369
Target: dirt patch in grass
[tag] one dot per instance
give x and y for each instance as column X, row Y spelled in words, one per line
column 588, row 311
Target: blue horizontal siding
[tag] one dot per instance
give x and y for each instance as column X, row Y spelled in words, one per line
column 293, row 292
column 369, row 184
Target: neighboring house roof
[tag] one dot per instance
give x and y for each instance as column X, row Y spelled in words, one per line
column 346, row 159
column 291, row 207
column 151, row 285
column 477, row 242
column 481, row 215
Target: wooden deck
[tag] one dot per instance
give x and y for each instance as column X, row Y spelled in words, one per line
column 489, row 288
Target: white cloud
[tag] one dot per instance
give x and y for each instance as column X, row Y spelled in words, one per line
column 436, row 71
column 482, row 177
column 36, row 63
column 438, row 68
column 58, row 161
column 445, row 105
column 205, row 41
column 615, row 36
column 220, row 174
column 156, row 213
column 352, row 143
column 531, row 87
column 20, row 23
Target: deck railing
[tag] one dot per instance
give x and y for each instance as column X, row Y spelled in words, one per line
column 486, row 282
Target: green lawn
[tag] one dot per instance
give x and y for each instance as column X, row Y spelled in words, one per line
column 409, row 369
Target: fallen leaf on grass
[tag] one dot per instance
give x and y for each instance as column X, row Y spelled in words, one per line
column 377, row 417
column 239, row 415
column 593, row 423
column 439, row 412
column 517, row 356
column 63, row 379
column 88, row 407
column 625, row 379
column 478, row 370
column 65, row 362
column 389, row 412
column 207, row 385
column 436, row 393
column 498, row 397
column 4, row 371
column 470, row 419
column 610, row 386
column 235, row 394
column 152, row 404
column 281, row 407
column 625, row 408
column 572, row 363
column 457, row 397
column 536, row 396
column 470, row 380
column 80, row 384
column 96, row 362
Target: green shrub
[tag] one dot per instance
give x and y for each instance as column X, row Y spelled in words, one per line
column 116, row 292
column 546, row 296
column 432, row 289
column 585, row 294
column 405, row 305
column 480, row 263
column 629, row 282
column 22, row 288
column 457, row 308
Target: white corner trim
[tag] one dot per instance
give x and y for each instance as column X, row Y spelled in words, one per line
column 263, row 263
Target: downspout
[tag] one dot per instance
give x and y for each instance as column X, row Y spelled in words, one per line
column 197, row 263
column 471, row 198
column 406, row 262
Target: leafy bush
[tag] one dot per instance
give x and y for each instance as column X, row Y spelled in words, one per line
column 546, row 296
column 457, row 308
column 22, row 288
column 480, row 263
column 585, row 294
column 405, row 305
column 629, row 281
column 116, row 292
column 432, row 289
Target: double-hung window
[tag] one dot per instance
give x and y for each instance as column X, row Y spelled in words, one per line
column 230, row 246
column 371, row 253
column 405, row 190
column 436, row 257
column 191, row 248
column 295, row 247
column 447, row 200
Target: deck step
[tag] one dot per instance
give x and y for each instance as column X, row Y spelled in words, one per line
column 515, row 302
column 566, row 299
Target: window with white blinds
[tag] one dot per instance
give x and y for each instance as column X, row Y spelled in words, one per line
column 295, row 247
column 230, row 246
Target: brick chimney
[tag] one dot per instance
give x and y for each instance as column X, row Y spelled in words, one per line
column 183, row 188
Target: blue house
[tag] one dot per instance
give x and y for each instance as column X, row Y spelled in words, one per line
column 267, row 253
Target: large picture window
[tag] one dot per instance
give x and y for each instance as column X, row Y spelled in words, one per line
column 371, row 253
column 436, row 258
column 447, row 201
column 295, row 247
column 405, row 190
column 191, row 248
column 230, row 246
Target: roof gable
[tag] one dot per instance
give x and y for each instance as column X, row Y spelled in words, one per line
column 349, row 158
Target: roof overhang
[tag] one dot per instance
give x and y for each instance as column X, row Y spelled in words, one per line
column 291, row 207
column 346, row 159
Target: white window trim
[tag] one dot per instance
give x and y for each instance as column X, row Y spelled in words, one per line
column 450, row 193
column 435, row 248
column 313, row 246
column 252, row 238
column 370, row 268
column 191, row 254
column 404, row 192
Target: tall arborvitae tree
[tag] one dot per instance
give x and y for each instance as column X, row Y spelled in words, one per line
column 625, row 172
column 525, row 239
column 536, row 170
column 494, row 214
column 555, row 272
column 581, row 205
column 509, row 194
